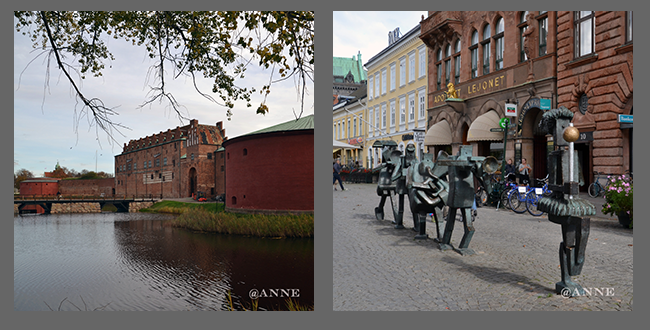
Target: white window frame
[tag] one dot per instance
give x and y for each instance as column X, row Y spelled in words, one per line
column 422, row 103
column 402, row 116
column 371, row 119
column 402, row 107
column 423, row 64
column 383, row 81
column 370, row 87
column 383, row 115
column 377, row 84
column 411, row 56
column 392, row 114
column 402, row 71
column 354, row 127
column 411, row 107
column 360, row 125
column 349, row 131
column 378, row 121
column 392, row 76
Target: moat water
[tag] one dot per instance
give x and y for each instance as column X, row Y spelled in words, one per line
column 138, row 262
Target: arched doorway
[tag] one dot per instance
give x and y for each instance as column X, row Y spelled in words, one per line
column 192, row 182
column 534, row 146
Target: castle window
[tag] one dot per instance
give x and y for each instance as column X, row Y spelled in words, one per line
column 245, row 151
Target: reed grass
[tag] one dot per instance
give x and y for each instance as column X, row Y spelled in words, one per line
column 291, row 305
column 259, row 225
column 173, row 207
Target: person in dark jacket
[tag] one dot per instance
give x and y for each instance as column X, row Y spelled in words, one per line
column 336, row 172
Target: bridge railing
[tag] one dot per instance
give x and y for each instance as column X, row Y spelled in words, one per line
column 85, row 197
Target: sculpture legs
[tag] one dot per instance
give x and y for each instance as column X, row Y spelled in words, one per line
column 399, row 213
column 379, row 210
column 439, row 220
column 419, row 220
column 469, row 232
column 449, row 229
column 575, row 234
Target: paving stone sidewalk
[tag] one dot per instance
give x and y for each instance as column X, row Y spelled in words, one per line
column 516, row 265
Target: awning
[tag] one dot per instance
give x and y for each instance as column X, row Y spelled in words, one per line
column 480, row 128
column 338, row 144
column 438, row 134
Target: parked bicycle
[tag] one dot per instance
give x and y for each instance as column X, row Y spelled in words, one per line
column 596, row 189
column 535, row 195
column 520, row 197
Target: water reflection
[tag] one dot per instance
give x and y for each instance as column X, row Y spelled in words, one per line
column 139, row 262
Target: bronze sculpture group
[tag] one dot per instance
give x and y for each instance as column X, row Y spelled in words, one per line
column 449, row 183
column 429, row 191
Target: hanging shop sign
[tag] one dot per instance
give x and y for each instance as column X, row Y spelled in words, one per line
column 511, row 110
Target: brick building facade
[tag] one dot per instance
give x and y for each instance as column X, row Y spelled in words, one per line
column 595, row 81
column 490, row 58
column 180, row 162
column 272, row 170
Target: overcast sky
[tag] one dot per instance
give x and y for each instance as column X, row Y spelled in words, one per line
column 367, row 32
column 44, row 119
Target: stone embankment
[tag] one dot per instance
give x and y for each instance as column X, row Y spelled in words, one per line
column 88, row 207
column 136, row 206
column 76, row 208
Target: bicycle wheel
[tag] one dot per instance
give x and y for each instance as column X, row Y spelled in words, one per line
column 594, row 190
column 481, row 197
column 504, row 199
column 517, row 201
column 531, row 203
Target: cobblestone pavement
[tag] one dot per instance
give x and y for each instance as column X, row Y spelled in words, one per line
column 516, row 265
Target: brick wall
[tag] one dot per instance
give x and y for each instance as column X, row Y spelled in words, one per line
column 271, row 172
column 606, row 78
column 94, row 187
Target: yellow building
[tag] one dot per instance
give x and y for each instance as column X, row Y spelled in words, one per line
column 349, row 127
column 397, row 94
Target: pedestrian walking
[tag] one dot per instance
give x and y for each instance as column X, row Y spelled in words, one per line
column 337, row 176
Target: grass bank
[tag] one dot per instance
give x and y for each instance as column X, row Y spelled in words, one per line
column 210, row 217
column 260, row 225
column 180, row 207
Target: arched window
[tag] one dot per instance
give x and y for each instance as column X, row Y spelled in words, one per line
column 543, row 32
column 447, row 64
column 486, row 49
column 439, row 68
column 474, row 53
column 498, row 38
column 245, row 151
column 457, row 62
column 523, row 25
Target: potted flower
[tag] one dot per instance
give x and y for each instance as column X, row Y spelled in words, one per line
column 619, row 200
